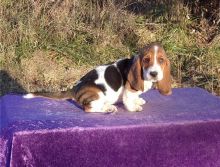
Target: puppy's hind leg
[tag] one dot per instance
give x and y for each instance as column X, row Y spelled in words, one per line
column 100, row 105
column 109, row 108
column 96, row 105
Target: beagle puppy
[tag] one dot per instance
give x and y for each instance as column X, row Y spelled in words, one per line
column 124, row 79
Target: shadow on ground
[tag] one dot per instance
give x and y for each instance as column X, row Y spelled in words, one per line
column 9, row 84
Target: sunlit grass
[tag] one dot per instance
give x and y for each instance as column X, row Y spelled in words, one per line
column 84, row 33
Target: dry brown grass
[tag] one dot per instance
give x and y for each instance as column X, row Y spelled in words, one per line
column 45, row 71
column 48, row 45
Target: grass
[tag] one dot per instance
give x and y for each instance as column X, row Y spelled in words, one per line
column 48, row 45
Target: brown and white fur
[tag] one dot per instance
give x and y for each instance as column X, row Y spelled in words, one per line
column 102, row 87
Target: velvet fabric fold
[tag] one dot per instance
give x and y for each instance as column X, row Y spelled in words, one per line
column 178, row 130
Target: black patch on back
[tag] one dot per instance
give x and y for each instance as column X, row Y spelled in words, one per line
column 113, row 77
column 89, row 80
column 90, row 76
column 124, row 66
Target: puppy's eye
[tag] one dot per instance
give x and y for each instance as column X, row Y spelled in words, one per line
column 146, row 60
column 161, row 60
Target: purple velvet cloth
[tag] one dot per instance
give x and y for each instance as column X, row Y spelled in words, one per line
column 178, row 130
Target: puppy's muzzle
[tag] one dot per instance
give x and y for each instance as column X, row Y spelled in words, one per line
column 153, row 74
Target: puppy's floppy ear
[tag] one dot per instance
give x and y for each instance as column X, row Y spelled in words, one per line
column 164, row 86
column 135, row 78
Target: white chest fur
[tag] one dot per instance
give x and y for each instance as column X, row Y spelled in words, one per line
column 147, row 85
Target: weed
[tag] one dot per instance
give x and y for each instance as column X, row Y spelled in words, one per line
column 42, row 43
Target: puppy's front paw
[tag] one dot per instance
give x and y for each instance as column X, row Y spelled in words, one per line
column 134, row 108
column 140, row 101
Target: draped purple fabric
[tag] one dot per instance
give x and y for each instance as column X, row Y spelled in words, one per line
column 178, row 130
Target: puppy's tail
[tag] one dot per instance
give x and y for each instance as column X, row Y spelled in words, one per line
column 63, row 95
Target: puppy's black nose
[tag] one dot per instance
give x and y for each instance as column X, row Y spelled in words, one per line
column 153, row 73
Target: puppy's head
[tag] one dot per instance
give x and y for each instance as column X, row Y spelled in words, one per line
column 152, row 65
